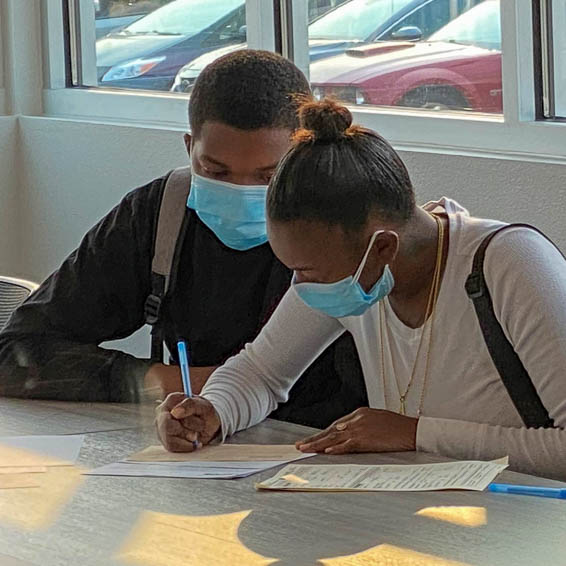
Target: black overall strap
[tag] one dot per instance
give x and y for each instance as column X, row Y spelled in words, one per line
column 513, row 374
column 170, row 221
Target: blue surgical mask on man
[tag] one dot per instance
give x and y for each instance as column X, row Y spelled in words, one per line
column 346, row 297
column 235, row 213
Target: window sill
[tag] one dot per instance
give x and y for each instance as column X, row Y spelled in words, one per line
column 475, row 135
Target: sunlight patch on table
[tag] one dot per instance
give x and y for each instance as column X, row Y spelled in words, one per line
column 13, row 457
column 463, row 516
column 389, row 555
column 292, row 478
column 161, row 539
column 16, row 481
column 37, row 508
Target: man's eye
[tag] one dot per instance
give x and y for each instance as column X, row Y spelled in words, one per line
column 213, row 173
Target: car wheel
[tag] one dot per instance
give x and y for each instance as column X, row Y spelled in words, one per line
column 435, row 97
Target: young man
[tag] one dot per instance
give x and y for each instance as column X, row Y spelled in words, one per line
column 227, row 281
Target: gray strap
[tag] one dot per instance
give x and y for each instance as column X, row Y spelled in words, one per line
column 171, row 214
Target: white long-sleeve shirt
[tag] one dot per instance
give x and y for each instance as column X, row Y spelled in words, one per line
column 466, row 411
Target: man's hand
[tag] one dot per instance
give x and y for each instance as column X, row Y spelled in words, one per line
column 186, row 424
column 165, row 379
column 365, row 430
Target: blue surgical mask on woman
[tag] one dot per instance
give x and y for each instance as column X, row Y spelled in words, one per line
column 235, row 213
column 346, row 297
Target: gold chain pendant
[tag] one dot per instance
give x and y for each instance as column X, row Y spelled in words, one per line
column 402, row 408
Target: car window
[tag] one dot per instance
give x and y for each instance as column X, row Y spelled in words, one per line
column 429, row 18
column 229, row 30
column 481, row 26
column 183, row 17
column 356, row 19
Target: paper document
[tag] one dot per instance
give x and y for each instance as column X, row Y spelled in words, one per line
column 472, row 475
column 191, row 470
column 221, row 453
column 39, row 451
column 224, row 461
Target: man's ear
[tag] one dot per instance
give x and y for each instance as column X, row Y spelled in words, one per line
column 187, row 138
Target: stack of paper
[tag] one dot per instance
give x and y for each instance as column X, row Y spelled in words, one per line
column 223, row 461
column 473, row 475
column 23, row 457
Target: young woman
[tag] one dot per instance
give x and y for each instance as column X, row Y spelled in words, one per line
column 225, row 282
column 342, row 214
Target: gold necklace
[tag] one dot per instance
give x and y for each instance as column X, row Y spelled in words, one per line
column 429, row 315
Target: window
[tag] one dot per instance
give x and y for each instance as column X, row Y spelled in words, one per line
column 430, row 75
column 427, row 54
column 142, row 44
column 145, row 44
column 550, row 19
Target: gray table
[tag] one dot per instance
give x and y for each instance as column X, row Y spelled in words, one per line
column 91, row 525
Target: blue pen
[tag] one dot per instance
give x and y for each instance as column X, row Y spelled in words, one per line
column 185, row 373
column 554, row 492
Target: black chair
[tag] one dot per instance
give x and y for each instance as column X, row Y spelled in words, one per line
column 13, row 292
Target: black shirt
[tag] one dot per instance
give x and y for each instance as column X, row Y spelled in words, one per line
column 219, row 300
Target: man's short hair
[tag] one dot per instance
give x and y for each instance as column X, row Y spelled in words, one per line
column 248, row 89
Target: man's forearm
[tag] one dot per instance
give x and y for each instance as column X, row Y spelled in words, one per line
column 67, row 371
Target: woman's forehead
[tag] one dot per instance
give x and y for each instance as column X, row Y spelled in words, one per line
column 303, row 245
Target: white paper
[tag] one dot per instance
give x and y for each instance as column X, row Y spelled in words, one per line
column 472, row 475
column 46, row 450
column 221, row 453
column 192, row 470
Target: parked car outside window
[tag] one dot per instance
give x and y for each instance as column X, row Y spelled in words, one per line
column 458, row 68
column 353, row 23
column 148, row 53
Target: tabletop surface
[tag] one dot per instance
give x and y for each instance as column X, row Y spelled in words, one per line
column 91, row 520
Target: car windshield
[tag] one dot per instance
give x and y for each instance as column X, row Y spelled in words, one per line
column 480, row 26
column 182, row 17
column 356, row 19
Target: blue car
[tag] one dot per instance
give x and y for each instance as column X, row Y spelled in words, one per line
column 109, row 24
column 351, row 24
column 148, row 53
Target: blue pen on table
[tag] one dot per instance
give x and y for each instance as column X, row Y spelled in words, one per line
column 554, row 492
column 185, row 372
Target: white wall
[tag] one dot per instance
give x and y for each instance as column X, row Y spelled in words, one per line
column 11, row 245
column 74, row 172
column 508, row 190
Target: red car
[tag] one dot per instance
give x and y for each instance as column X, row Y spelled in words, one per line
column 458, row 68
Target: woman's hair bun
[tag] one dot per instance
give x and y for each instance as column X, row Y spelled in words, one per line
column 326, row 120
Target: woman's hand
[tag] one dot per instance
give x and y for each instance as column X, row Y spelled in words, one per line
column 185, row 424
column 365, row 430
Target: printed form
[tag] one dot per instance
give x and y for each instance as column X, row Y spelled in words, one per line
column 471, row 475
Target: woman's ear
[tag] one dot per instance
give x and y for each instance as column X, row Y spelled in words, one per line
column 386, row 247
column 187, row 138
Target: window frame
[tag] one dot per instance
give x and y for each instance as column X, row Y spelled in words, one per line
column 3, row 104
column 512, row 135
column 559, row 61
